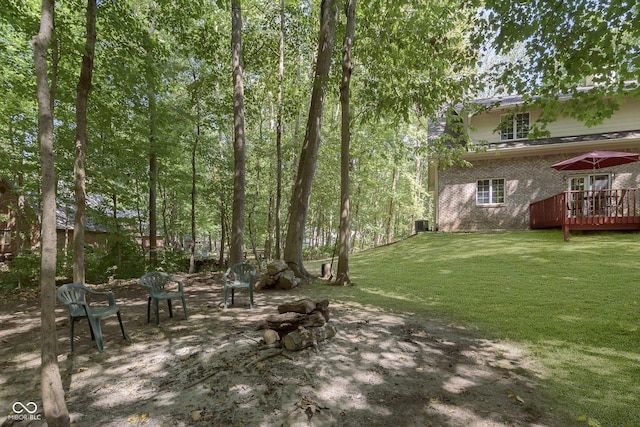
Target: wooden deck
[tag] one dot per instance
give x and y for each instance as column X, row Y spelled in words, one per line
column 614, row 209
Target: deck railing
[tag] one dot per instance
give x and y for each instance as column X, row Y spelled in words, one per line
column 549, row 212
column 613, row 209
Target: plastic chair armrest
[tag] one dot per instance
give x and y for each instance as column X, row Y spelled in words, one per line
column 179, row 282
column 110, row 296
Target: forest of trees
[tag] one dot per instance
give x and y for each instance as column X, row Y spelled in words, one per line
column 143, row 103
column 159, row 120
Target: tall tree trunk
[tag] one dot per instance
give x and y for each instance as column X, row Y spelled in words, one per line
column 153, row 152
column 153, row 188
column 20, row 223
column 342, row 276
column 417, row 187
column 141, row 233
column 19, row 216
column 55, row 408
column 67, row 229
column 252, row 239
column 82, row 96
column 237, row 222
column 223, row 230
column 279, row 134
column 309, row 155
column 392, row 206
column 192, row 261
column 118, row 233
column 268, row 241
column 164, row 208
column 222, row 190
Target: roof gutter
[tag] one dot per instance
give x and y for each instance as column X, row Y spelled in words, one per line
column 629, row 141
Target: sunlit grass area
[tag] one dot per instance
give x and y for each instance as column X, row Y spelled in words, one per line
column 575, row 304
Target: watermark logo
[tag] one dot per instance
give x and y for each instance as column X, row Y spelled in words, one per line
column 22, row 411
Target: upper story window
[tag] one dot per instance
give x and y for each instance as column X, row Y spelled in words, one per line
column 514, row 126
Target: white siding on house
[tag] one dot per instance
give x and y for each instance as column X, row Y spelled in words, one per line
column 625, row 119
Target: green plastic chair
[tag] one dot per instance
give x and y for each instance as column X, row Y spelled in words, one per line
column 157, row 282
column 74, row 296
column 244, row 276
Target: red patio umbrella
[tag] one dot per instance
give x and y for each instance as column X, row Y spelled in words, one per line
column 596, row 160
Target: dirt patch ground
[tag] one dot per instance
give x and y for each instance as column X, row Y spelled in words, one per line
column 213, row 369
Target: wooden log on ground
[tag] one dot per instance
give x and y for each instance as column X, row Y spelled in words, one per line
column 270, row 336
column 323, row 307
column 274, row 320
column 260, row 284
column 313, row 320
column 325, row 271
column 285, row 322
column 307, row 337
column 304, row 306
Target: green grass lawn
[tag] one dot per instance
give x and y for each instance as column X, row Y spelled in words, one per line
column 575, row 305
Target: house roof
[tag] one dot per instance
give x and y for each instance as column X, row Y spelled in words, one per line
column 502, row 101
column 65, row 216
column 8, row 183
column 510, row 100
column 97, row 208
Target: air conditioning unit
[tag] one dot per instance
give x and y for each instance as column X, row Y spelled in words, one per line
column 422, row 225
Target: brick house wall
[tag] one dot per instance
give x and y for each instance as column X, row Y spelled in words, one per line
column 527, row 179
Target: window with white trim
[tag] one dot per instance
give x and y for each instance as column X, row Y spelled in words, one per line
column 490, row 191
column 514, row 126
